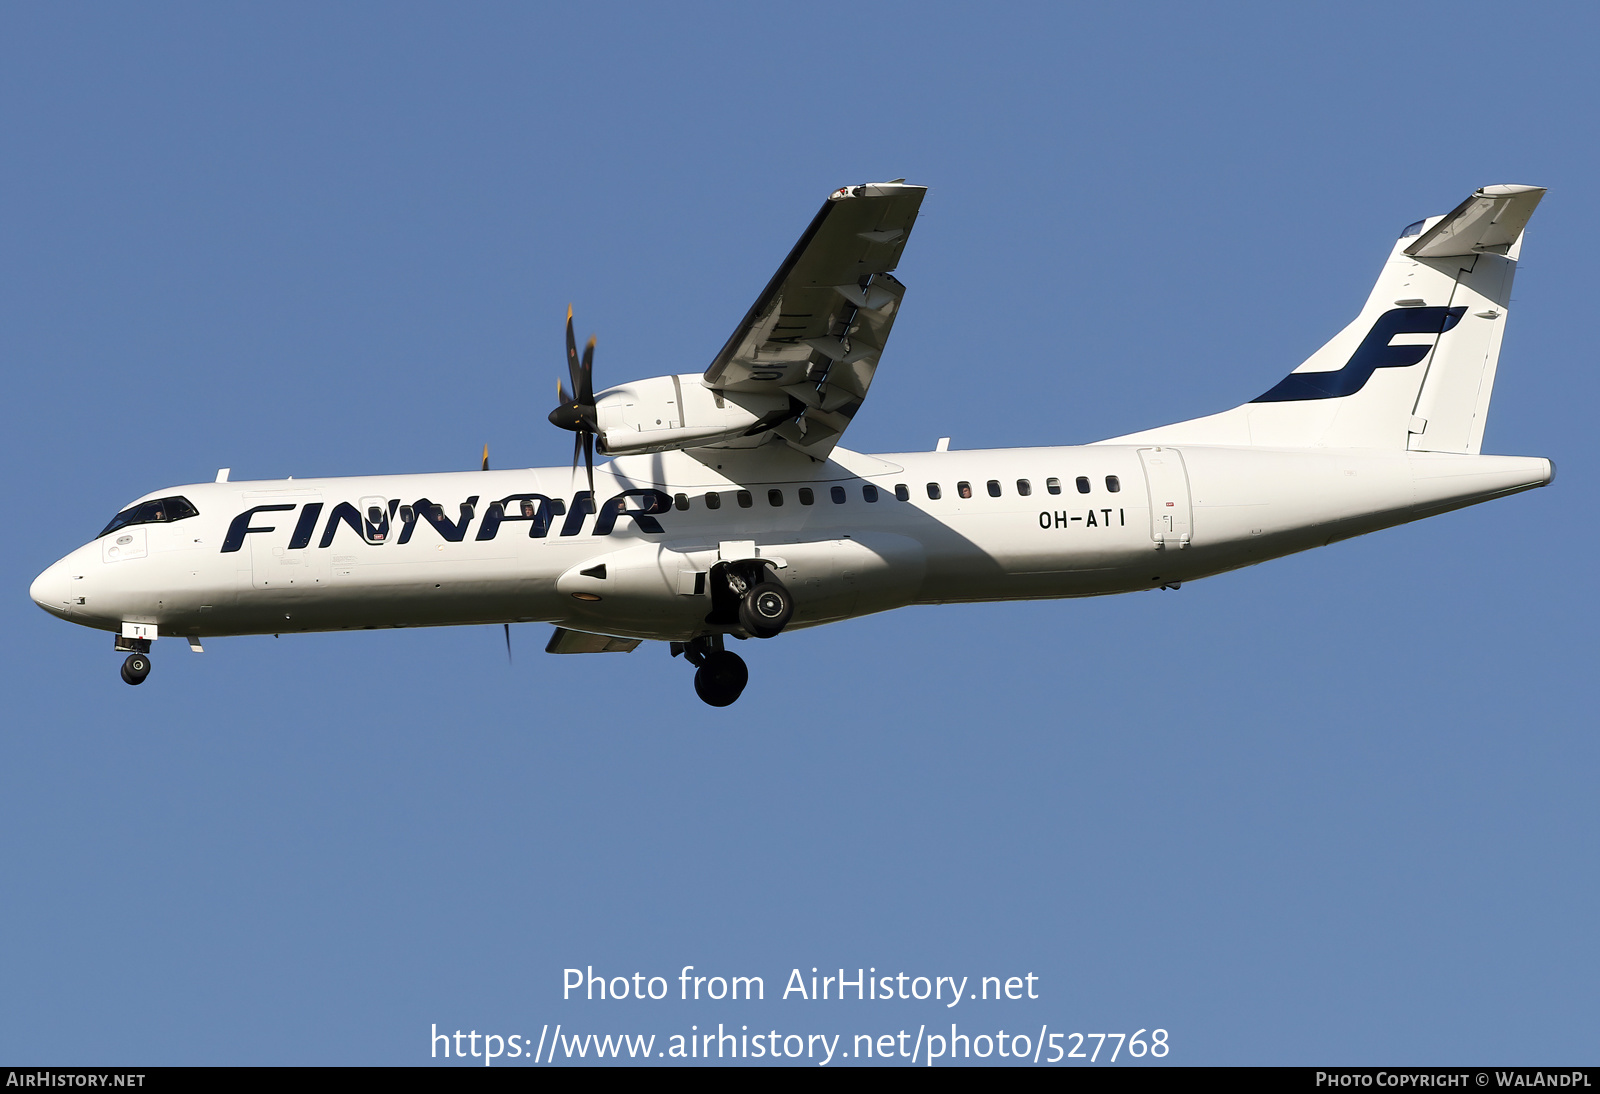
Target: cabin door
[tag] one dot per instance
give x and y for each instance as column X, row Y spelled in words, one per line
column 1171, row 514
column 277, row 562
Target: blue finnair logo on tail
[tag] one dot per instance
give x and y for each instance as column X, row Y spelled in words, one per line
column 1373, row 353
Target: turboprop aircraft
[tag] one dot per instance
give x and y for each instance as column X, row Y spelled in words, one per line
column 729, row 508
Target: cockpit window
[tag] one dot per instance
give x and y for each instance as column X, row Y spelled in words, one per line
column 160, row 511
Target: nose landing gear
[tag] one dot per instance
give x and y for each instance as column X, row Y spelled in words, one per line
column 719, row 675
column 136, row 668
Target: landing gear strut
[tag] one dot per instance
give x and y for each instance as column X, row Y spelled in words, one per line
column 719, row 676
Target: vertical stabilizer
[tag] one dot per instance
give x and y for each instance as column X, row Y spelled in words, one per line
column 1416, row 368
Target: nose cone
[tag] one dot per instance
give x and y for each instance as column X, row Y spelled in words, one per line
column 50, row 590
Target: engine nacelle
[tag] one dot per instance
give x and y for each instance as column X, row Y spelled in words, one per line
column 668, row 412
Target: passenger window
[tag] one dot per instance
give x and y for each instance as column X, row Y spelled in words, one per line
column 806, row 496
column 774, row 497
column 869, row 492
column 466, row 510
column 681, row 502
column 407, row 514
column 1113, row 483
column 1053, row 485
column 713, row 500
column 901, row 493
column 374, row 515
column 1083, row 484
column 1024, row 488
column 994, row 488
column 933, row 491
column 745, row 500
column 964, row 489
column 837, row 493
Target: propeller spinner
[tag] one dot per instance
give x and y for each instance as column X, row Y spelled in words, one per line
column 576, row 412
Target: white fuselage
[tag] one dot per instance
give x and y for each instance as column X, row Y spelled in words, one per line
column 1176, row 514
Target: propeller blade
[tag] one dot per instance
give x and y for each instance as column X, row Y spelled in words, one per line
column 486, row 457
column 577, row 448
column 576, row 411
column 508, row 644
column 573, row 368
column 588, row 464
column 586, row 396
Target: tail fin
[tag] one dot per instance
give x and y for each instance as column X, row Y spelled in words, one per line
column 1416, row 368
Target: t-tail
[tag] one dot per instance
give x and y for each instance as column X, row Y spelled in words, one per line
column 1416, row 368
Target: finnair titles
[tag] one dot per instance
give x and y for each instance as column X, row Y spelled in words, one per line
column 727, row 507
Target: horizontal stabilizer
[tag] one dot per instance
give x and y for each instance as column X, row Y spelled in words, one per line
column 1489, row 221
column 565, row 641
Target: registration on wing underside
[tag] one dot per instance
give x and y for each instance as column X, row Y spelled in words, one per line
column 818, row 328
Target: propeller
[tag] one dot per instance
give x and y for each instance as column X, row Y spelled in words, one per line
column 486, row 457
column 576, row 412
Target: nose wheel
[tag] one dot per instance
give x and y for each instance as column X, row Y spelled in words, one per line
column 719, row 675
column 136, row 668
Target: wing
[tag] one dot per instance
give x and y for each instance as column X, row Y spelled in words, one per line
column 817, row 330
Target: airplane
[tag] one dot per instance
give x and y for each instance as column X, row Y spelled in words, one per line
column 727, row 507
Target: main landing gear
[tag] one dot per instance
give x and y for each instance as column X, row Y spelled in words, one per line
column 719, row 675
column 748, row 600
column 765, row 608
column 748, row 592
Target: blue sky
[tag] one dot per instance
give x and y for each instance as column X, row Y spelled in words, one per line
column 1336, row 809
